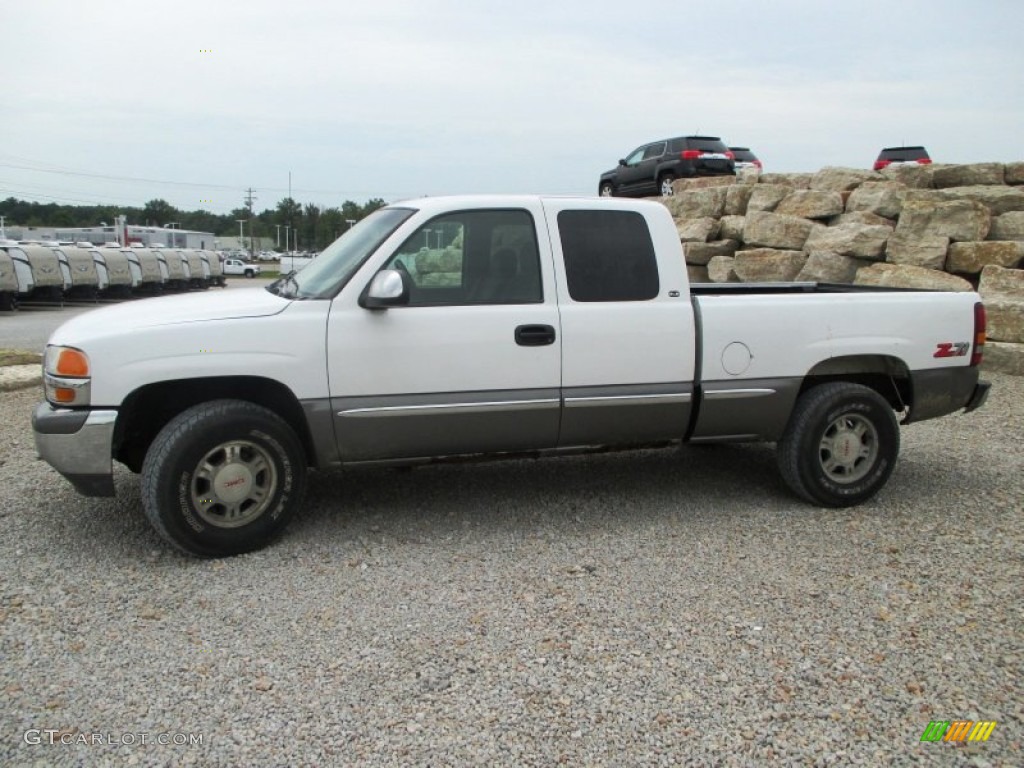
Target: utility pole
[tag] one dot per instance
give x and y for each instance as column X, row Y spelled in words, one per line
column 249, row 198
column 278, row 235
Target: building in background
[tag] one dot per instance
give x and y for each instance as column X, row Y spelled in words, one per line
column 237, row 244
column 131, row 233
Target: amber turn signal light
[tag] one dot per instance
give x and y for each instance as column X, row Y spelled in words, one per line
column 71, row 362
column 64, row 395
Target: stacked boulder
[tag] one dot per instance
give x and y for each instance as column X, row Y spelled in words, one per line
column 941, row 227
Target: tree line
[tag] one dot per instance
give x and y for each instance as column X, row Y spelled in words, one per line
column 317, row 226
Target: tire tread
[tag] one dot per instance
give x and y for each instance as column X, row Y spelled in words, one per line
column 165, row 443
column 806, row 410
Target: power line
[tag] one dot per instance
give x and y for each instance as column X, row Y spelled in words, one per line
column 107, row 177
column 75, row 200
column 21, row 188
column 38, row 167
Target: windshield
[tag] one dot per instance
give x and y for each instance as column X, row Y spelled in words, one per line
column 329, row 271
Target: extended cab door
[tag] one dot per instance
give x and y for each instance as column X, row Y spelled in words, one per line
column 628, row 337
column 472, row 362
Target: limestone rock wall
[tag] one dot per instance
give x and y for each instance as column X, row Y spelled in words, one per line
column 944, row 227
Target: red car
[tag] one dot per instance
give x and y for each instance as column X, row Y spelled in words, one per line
column 899, row 155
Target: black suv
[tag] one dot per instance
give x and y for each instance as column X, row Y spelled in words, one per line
column 745, row 158
column 891, row 155
column 651, row 169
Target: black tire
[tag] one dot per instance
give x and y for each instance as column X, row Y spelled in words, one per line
column 840, row 445
column 8, row 302
column 249, row 273
column 241, row 458
column 665, row 184
column 606, row 189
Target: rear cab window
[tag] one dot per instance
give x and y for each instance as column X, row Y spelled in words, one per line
column 609, row 256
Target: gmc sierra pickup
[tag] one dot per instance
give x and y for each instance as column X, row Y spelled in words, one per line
column 443, row 328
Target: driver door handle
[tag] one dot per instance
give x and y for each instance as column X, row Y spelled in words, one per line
column 535, row 335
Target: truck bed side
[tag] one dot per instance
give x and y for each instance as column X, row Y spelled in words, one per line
column 760, row 350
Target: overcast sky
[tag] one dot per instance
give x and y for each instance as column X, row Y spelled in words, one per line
column 193, row 102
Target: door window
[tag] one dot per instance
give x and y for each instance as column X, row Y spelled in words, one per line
column 636, row 156
column 472, row 257
column 654, row 150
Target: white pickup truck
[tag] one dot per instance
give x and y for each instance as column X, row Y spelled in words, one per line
column 450, row 327
column 239, row 267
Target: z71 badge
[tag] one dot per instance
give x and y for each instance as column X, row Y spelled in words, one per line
column 952, row 349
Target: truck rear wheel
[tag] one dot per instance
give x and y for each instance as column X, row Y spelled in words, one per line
column 223, row 478
column 840, row 445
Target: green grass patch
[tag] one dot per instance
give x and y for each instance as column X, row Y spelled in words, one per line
column 19, row 357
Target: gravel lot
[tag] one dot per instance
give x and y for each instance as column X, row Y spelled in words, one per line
column 649, row 608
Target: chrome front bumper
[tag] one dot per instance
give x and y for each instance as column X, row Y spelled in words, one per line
column 78, row 444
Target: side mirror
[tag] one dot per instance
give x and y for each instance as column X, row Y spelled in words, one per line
column 622, row 163
column 387, row 289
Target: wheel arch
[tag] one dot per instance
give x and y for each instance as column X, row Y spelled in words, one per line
column 887, row 375
column 148, row 409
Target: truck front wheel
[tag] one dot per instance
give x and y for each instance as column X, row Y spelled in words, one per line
column 840, row 445
column 223, row 478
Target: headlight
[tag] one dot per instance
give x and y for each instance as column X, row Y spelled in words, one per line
column 66, row 379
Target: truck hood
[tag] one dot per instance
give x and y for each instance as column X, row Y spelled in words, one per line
column 123, row 319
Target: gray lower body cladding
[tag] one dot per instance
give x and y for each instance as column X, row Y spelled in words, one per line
column 939, row 391
column 422, row 426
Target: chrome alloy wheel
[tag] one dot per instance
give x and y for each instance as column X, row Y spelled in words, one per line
column 233, row 484
column 848, row 449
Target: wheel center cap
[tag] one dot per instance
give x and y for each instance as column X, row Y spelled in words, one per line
column 847, row 447
column 233, row 483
